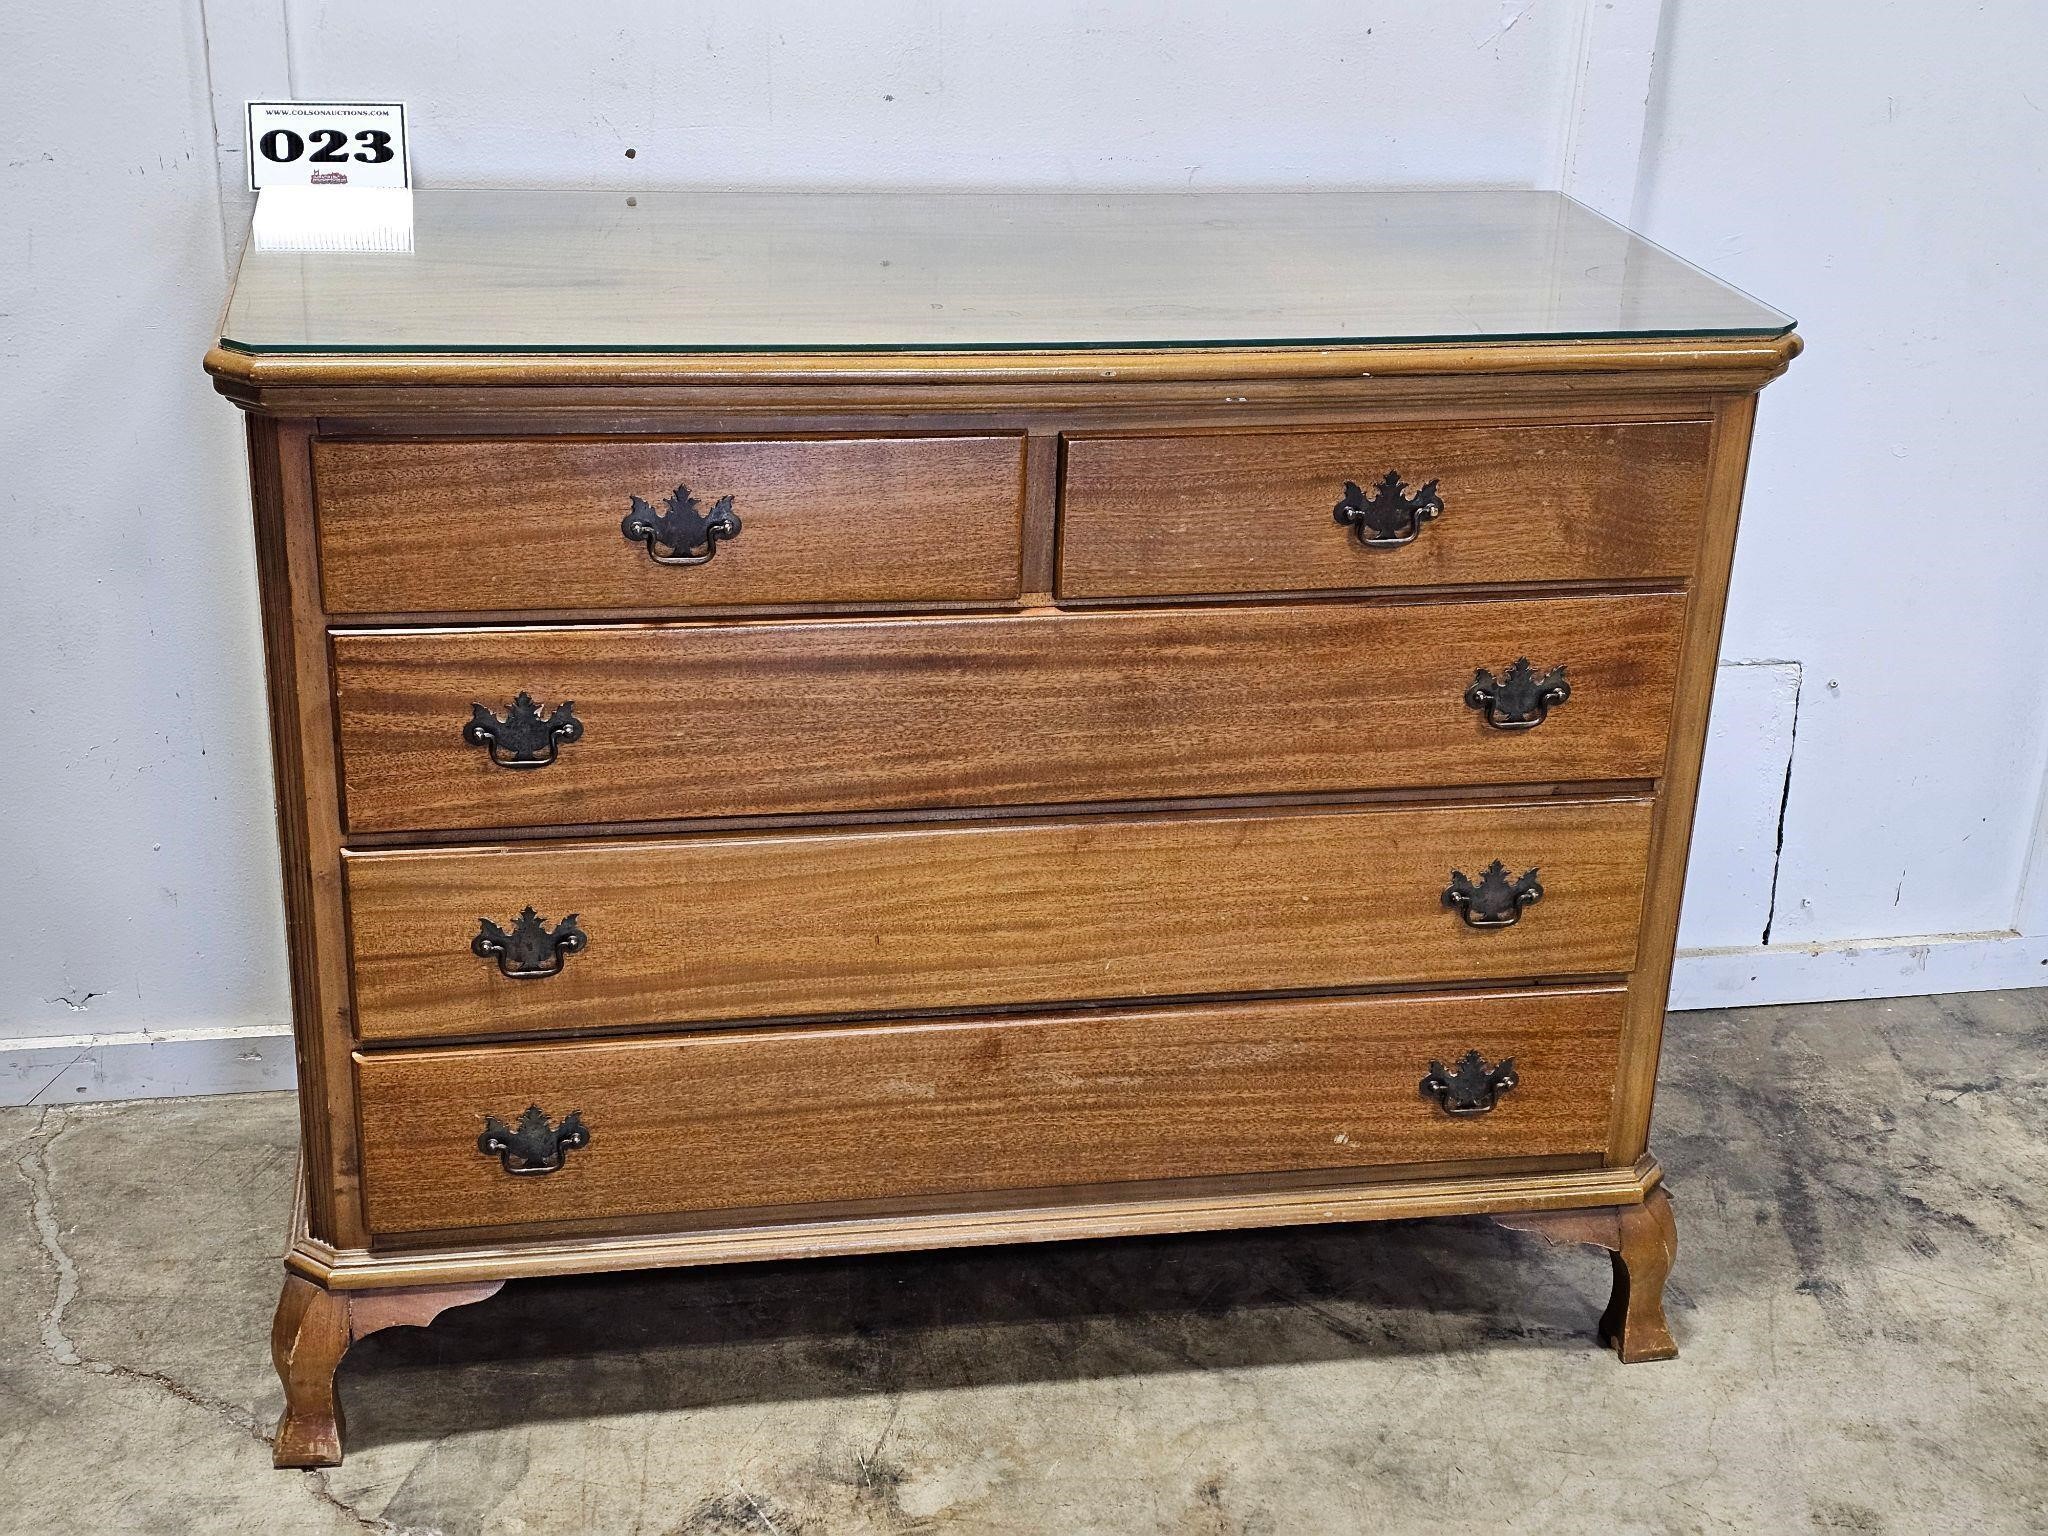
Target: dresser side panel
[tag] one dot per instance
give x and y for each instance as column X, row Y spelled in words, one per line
column 1678, row 790
column 308, row 819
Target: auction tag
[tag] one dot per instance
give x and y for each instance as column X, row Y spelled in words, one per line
column 328, row 143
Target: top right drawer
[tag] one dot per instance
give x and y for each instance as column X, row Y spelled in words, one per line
column 1311, row 510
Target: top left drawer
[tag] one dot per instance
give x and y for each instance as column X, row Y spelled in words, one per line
column 541, row 524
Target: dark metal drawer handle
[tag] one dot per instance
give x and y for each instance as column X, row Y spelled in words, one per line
column 682, row 527
column 1520, row 701
column 533, row 1146
column 1387, row 519
column 530, row 952
column 525, row 738
column 1472, row 1087
column 1494, row 901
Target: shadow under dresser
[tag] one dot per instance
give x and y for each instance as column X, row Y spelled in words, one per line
column 830, row 723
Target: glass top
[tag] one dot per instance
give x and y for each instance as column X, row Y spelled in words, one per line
column 553, row 271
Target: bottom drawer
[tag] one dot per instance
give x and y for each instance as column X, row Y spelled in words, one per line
column 728, row 1120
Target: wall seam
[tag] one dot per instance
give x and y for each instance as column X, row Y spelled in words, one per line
column 1607, row 90
column 1653, row 113
column 1580, row 66
column 291, row 62
column 220, row 202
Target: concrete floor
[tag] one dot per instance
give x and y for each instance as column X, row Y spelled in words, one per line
column 1862, row 1193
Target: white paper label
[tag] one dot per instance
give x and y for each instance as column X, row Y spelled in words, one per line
column 328, row 144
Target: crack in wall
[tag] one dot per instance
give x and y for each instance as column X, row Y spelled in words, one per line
column 1784, row 801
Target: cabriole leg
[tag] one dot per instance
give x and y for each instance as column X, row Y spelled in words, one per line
column 313, row 1330
column 307, row 1340
column 1642, row 1240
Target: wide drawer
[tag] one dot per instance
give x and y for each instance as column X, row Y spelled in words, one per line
column 778, row 1118
column 680, row 721
column 964, row 916
column 484, row 526
column 1254, row 511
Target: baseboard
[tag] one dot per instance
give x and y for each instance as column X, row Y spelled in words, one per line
column 177, row 1063
column 1825, row 973
column 146, row 1064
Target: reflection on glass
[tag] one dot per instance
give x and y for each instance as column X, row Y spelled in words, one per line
column 526, row 271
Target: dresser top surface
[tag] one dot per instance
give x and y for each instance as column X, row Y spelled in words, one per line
column 501, row 271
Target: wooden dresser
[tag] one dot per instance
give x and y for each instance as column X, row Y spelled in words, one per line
column 827, row 724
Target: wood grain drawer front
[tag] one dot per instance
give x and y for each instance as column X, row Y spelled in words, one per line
column 944, row 918
column 755, row 719
column 733, row 1120
column 1253, row 511
column 495, row 526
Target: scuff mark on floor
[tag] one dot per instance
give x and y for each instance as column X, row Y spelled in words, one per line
column 736, row 1514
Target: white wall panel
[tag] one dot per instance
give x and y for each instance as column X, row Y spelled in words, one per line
column 1090, row 92
column 1876, row 169
column 1879, row 171
column 138, row 880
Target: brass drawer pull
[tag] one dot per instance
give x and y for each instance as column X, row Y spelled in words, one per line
column 1521, row 700
column 1494, row 901
column 525, row 738
column 1387, row 519
column 1472, row 1087
column 682, row 527
column 533, row 1146
column 530, row 952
